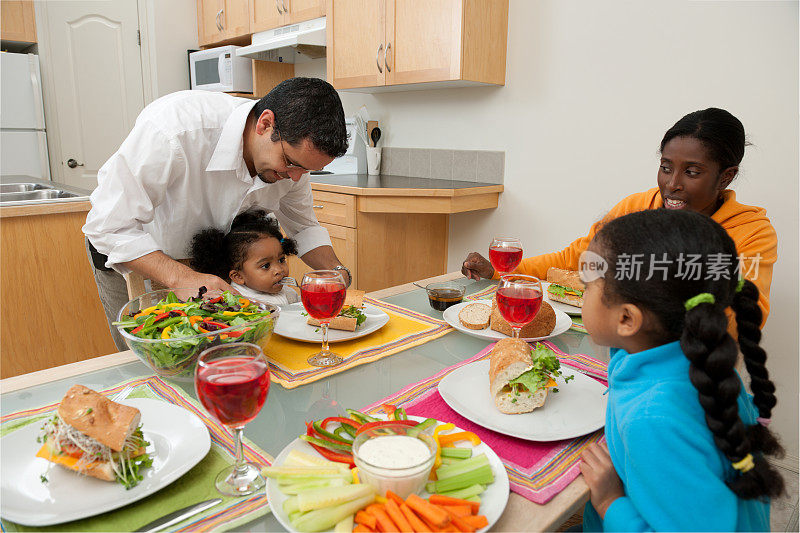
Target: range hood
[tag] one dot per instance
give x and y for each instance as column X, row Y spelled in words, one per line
column 288, row 43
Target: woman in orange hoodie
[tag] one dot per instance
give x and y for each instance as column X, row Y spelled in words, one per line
column 700, row 157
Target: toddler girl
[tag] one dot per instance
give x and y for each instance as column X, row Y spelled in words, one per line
column 252, row 255
column 686, row 444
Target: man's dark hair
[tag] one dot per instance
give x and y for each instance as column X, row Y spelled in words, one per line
column 307, row 108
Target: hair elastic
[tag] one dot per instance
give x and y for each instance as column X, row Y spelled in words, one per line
column 745, row 465
column 702, row 298
column 740, row 285
column 763, row 421
column 283, row 241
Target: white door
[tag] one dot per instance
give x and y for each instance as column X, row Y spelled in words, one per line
column 93, row 59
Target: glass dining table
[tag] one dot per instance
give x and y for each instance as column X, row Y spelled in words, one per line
column 283, row 417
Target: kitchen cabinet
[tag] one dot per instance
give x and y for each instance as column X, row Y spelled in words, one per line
column 51, row 312
column 401, row 43
column 222, row 20
column 269, row 14
column 17, row 21
column 390, row 236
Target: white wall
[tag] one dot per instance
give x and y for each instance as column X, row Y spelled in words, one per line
column 171, row 31
column 591, row 87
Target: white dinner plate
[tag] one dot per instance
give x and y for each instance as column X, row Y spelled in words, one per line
column 561, row 306
column 293, row 325
column 493, row 500
column 578, row 408
column 178, row 441
column 450, row 315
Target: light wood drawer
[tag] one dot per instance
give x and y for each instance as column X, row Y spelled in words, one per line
column 343, row 240
column 334, row 208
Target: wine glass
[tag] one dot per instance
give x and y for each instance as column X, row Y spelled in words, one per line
column 519, row 298
column 505, row 254
column 232, row 382
column 323, row 293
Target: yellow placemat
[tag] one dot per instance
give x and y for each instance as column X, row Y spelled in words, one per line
column 405, row 329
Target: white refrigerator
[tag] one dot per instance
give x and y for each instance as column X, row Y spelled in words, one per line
column 23, row 139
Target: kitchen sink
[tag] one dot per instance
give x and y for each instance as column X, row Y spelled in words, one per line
column 42, row 194
column 22, row 187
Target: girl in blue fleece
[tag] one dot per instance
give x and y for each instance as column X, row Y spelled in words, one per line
column 685, row 442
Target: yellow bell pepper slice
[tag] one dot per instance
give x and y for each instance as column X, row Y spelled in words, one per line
column 451, row 438
column 438, row 461
column 165, row 333
column 244, row 302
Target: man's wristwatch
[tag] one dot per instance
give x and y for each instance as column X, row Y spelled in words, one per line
column 349, row 275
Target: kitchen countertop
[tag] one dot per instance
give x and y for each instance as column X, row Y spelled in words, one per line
column 385, row 185
column 45, row 206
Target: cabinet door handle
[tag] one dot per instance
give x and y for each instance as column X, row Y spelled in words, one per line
column 219, row 25
column 278, row 7
column 318, row 206
column 378, row 58
column 283, row 3
column 386, row 57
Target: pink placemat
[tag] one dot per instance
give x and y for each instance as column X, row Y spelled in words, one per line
column 536, row 470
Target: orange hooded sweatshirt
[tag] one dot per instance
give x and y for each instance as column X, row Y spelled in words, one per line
column 747, row 225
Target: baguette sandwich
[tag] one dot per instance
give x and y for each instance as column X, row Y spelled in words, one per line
column 97, row 437
column 521, row 379
column 565, row 286
column 350, row 317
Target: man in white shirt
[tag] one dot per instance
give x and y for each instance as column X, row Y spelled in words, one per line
column 196, row 159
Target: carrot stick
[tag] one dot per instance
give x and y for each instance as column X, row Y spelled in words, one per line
column 431, row 513
column 361, row 528
column 397, row 499
column 458, row 521
column 430, row 526
column 366, row 519
column 417, row 524
column 440, row 499
column 477, row 521
column 385, row 523
column 459, row 510
column 393, row 510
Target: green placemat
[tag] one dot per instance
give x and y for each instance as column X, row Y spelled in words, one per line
column 195, row 486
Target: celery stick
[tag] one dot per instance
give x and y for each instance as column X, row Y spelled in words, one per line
column 345, row 526
column 461, row 494
column 457, row 453
column 291, row 480
column 297, row 488
column 324, row 519
column 475, row 499
column 294, row 516
column 290, row 505
column 332, row 496
column 466, row 465
column 450, row 460
column 298, row 458
column 482, row 475
column 301, row 471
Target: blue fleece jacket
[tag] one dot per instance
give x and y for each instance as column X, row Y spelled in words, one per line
column 662, row 449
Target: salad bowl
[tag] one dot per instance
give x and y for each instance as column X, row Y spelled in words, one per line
column 169, row 328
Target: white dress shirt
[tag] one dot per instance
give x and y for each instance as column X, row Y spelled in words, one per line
column 287, row 295
column 181, row 170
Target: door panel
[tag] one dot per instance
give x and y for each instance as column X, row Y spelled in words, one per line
column 424, row 41
column 208, row 16
column 97, row 75
column 302, row 10
column 355, row 43
column 266, row 14
column 237, row 18
column 18, row 21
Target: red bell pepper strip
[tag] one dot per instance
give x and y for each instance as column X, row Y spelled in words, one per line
column 235, row 333
column 219, row 325
column 389, row 409
column 138, row 329
column 215, row 300
column 331, row 455
column 160, row 317
column 341, row 420
column 384, row 423
column 312, row 432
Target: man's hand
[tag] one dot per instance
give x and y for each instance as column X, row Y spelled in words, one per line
column 476, row 266
column 603, row 481
column 160, row 267
column 195, row 280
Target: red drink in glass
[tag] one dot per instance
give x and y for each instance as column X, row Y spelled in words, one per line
column 505, row 258
column 233, row 389
column 519, row 305
column 323, row 301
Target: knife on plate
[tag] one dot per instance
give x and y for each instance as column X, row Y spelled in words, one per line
column 179, row 516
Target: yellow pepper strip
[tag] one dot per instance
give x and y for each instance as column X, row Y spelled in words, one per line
column 244, row 302
column 381, row 499
column 147, row 311
column 223, row 336
column 177, row 304
column 438, row 461
column 232, row 313
column 550, row 383
column 451, row 438
column 194, row 319
column 165, row 333
column 354, row 471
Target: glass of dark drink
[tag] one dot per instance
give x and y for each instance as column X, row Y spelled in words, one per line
column 323, row 293
column 232, row 382
column 518, row 300
column 505, row 254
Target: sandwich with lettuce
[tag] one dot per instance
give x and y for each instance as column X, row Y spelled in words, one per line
column 565, row 286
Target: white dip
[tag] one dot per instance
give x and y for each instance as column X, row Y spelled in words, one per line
column 394, row 451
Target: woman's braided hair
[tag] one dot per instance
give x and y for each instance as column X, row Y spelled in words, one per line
column 215, row 252
column 670, row 237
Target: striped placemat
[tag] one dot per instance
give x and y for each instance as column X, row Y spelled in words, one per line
column 536, row 470
column 404, row 330
column 194, row 486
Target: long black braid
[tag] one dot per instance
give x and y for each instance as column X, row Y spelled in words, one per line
column 703, row 329
column 215, row 252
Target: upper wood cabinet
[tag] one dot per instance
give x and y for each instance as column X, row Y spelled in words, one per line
column 269, row 14
column 386, row 43
column 221, row 20
column 17, row 21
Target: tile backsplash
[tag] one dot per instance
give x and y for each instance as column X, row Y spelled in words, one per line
column 459, row 165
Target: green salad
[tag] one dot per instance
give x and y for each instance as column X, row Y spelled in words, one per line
column 183, row 328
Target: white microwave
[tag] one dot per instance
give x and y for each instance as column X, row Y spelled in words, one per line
column 220, row 69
